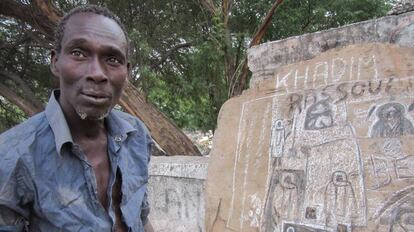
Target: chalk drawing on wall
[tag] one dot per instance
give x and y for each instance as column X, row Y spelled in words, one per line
column 337, row 185
column 278, row 138
column 390, row 163
column 319, row 116
column 246, row 206
column 255, row 210
column 327, row 157
column 397, row 212
column 298, row 227
column 391, row 121
column 340, row 202
column 285, row 197
column 404, row 167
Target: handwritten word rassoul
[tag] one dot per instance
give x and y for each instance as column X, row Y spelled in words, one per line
column 345, row 90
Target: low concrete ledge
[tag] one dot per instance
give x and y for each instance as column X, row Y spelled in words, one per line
column 176, row 193
column 179, row 166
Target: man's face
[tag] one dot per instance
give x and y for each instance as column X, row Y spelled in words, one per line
column 392, row 115
column 92, row 65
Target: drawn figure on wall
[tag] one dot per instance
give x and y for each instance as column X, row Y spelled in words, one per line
column 397, row 212
column 391, row 122
column 288, row 199
column 340, row 202
column 277, row 143
column 391, row 163
column 403, row 221
column 319, row 116
column 284, row 198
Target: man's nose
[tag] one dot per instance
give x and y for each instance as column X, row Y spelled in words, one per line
column 96, row 71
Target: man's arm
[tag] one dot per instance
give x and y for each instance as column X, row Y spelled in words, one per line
column 16, row 192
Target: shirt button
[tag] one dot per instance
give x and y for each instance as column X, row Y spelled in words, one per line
column 118, row 138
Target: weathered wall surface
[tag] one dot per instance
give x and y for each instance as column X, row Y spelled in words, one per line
column 266, row 58
column 322, row 140
column 176, row 193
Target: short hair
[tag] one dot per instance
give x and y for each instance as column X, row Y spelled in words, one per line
column 60, row 28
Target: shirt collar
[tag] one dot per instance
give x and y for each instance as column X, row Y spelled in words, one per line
column 117, row 126
column 57, row 122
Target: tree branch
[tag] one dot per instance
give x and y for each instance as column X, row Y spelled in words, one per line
column 172, row 140
column 226, row 9
column 169, row 53
column 41, row 15
column 239, row 81
column 259, row 34
column 26, row 91
column 209, row 6
column 24, row 105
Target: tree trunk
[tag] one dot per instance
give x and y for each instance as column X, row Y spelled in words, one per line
column 26, row 92
column 43, row 16
column 241, row 80
column 170, row 138
column 26, row 106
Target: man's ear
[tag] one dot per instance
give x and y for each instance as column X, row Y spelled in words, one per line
column 53, row 60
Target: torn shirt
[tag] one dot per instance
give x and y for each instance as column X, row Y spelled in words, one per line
column 47, row 183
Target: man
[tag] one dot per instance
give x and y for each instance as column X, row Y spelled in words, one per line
column 79, row 165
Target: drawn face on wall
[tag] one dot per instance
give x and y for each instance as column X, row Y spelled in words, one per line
column 290, row 229
column 339, row 178
column 319, row 116
column 288, row 181
column 279, row 124
column 392, row 115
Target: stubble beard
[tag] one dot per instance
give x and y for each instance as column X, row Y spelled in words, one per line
column 84, row 116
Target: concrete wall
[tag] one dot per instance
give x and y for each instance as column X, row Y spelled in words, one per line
column 176, row 193
column 176, row 186
column 322, row 139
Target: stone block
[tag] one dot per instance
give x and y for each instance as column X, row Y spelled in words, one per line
column 176, row 193
column 322, row 140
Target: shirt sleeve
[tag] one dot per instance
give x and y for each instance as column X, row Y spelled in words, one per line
column 10, row 220
column 15, row 196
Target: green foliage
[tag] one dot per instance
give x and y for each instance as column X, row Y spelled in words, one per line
column 10, row 115
column 181, row 53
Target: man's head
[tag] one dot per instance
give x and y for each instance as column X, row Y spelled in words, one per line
column 391, row 112
column 91, row 62
column 60, row 28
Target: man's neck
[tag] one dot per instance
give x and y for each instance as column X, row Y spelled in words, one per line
column 84, row 129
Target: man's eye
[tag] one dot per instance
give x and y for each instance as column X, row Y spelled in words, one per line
column 113, row 60
column 77, row 53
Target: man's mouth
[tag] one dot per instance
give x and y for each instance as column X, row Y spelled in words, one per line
column 96, row 97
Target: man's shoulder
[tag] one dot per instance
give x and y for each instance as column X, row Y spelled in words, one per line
column 23, row 134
